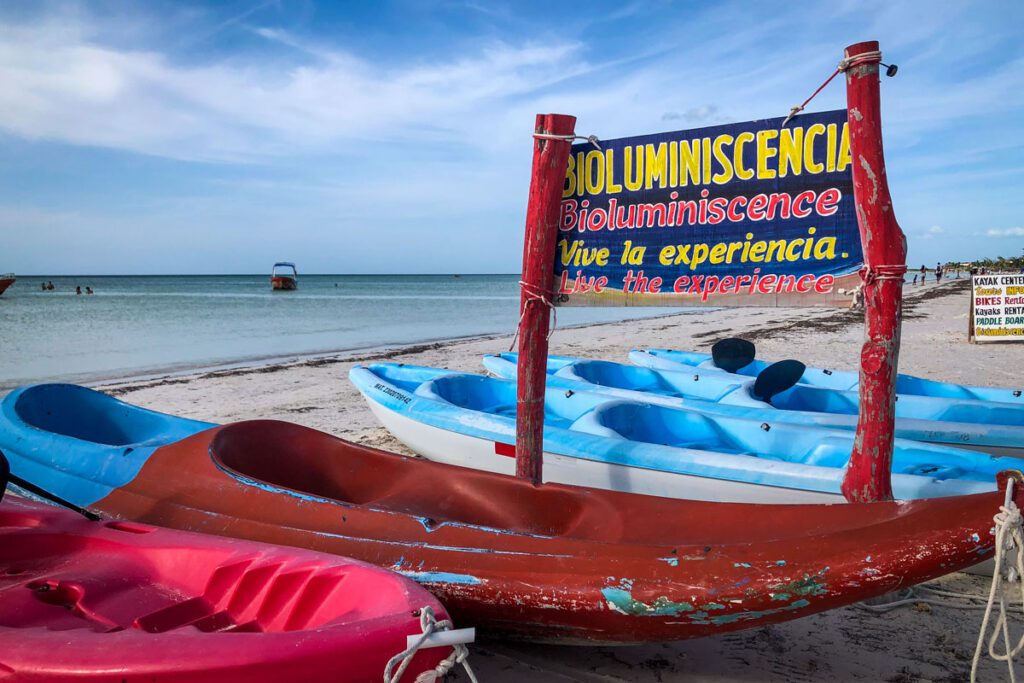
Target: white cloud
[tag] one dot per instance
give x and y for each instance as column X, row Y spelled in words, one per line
column 1005, row 232
column 63, row 79
column 928, row 234
column 61, row 84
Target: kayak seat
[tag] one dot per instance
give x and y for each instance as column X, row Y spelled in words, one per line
column 618, row 376
column 486, row 395
column 935, row 471
column 817, row 400
column 503, row 409
column 80, row 413
column 313, row 464
column 653, row 424
column 231, row 593
column 470, row 391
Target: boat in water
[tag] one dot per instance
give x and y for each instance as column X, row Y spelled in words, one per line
column 96, row 601
column 550, row 563
column 992, row 428
column 736, row 356
column 284, row 276
column 6, row 280
column 591, row 439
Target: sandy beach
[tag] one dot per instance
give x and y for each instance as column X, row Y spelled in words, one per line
column 911, row 643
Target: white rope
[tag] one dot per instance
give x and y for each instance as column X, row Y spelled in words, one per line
column 534, row 295
column 592, row 139
column 926, row 595
column 429, row 625
column 851, row 62
column 1009, row 532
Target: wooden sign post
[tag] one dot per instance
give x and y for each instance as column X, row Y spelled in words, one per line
column 551, row 145
column 868, row 475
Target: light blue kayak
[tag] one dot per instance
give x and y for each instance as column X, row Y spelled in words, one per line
column 592, row 439
column 109, row 440
column 841, row 380
column 713, row 391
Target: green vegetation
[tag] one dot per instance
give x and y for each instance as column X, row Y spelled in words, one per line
column 997, row 264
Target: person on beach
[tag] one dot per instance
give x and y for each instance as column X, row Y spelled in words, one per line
column 88, row 290
column 924, row 272
column 78, row 290
column 49, row 286
column 938, row 272
column 42, row 286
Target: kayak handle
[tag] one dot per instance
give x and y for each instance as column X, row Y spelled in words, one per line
column 459, row 636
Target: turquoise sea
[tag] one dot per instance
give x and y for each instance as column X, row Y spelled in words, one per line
column 136, row 326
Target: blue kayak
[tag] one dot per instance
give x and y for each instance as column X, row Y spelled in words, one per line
column 111, row 439
column 591, row 439
column 840, row 380
column 934, row 420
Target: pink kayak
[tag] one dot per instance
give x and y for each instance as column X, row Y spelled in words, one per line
column 119, row 601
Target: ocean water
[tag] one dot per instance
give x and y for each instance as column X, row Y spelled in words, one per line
column 138, row 326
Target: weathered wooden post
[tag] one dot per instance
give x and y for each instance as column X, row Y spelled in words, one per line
column 868, row 477
column 551, row 146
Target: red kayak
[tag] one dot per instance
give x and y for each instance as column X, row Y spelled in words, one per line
column 115, row 601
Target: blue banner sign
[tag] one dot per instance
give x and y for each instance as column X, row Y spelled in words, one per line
column 744, row 214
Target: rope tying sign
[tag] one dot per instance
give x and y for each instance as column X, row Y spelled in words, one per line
column 871, row 274
column 846, row 64
column 592, row 139
column 533, row 294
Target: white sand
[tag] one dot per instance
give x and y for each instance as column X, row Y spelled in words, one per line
column 847, row 644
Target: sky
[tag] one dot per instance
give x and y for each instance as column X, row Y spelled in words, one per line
column 364, row 137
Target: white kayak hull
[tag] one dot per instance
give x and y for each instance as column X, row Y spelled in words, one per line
column 463, row 450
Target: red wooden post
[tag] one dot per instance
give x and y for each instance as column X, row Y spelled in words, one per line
column 885, row 254
column 550, row 162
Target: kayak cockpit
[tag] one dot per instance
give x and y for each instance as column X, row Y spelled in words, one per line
column 304, row 462
column 79, row 413
column 816, row 400
column 491, row 396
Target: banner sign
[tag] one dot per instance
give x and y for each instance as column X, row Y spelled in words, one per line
column 745, row 214
column 997, row 307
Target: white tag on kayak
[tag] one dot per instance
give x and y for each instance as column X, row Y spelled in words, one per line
column 459, row 636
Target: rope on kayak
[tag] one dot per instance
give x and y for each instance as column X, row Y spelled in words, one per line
column 1009, row 532
column 429, row 625
column 532, row 293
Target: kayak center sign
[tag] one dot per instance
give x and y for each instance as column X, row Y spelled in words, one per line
column 997, row 307
column 745, row 214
